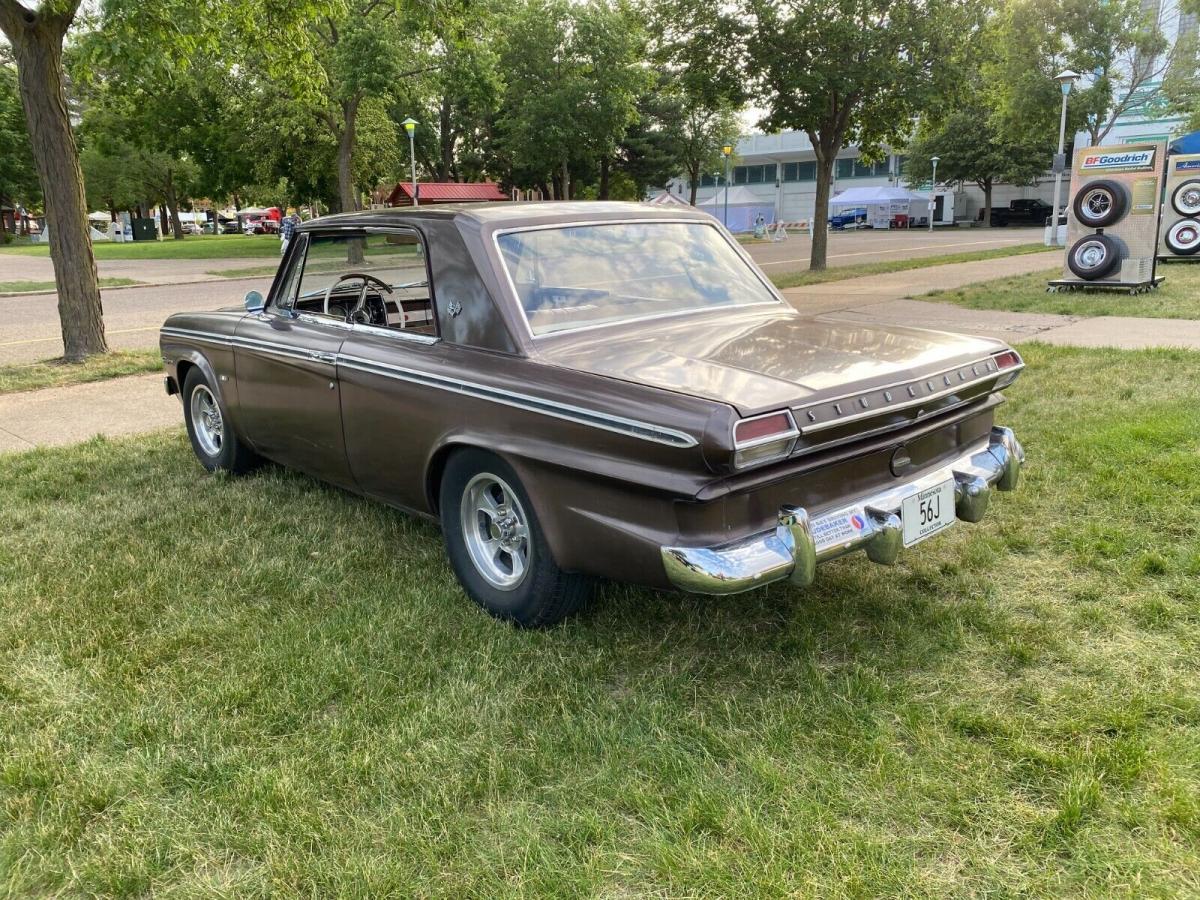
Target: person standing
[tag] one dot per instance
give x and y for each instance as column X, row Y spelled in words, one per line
column 286, row 229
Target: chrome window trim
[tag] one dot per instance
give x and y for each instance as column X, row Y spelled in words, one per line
column 402, row 333
column 316, row 233
column 515, row 298
column 606, row 421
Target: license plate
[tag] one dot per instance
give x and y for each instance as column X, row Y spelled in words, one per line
column 927, row 512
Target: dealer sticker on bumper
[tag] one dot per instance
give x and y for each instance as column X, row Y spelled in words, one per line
column 927, row 512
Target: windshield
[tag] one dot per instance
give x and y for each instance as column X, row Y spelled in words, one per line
column 585, row 275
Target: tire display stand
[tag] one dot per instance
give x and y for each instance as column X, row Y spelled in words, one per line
column 1180, row 232
column 1113, row 220
column 1065, row 287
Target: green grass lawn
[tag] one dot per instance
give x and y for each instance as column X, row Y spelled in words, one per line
column 56, row 373
column 265, row 687
column 25, row 287
column 883, row 267
column 1176, row 298
column 193, row 246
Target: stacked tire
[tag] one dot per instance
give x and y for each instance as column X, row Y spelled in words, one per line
column 1097, row 205
column 1183, row 237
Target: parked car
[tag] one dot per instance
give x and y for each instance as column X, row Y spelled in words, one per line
column 849, row 218
column 190, row 227
column 230, row 226
column 259, row 225
column 1019, row 212
column 592, row 390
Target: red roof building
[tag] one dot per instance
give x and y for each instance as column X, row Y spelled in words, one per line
column 446, row 192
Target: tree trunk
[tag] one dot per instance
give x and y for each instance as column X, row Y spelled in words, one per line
column 37, row 45
column 603, row 193
column 164, row 219
column 345, row 156
column 3, row 228
column 987, row 204
column 820, row 219
column 693, row 184
column 447, row 141
column 566, row 181
column 173, row 202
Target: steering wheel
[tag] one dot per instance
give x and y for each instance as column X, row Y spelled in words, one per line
column 357, row 313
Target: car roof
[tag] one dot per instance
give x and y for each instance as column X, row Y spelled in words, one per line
column 507, row 215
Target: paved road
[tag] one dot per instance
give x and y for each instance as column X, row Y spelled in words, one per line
column 29, row 328
column 137, row 404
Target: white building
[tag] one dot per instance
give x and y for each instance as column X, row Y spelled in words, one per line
column 1142, row 121
column 782, row 170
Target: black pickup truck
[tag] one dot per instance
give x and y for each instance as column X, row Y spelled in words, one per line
column 1019, row 212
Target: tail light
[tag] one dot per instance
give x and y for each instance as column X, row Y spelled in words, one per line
column 763, row 439
column 1008, row 359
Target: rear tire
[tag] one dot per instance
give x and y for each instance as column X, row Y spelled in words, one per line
column 214, row 441
column 497, row 547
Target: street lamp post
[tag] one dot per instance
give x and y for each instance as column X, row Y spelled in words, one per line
column 726, row 151
column 933, row 190
column 410, row 125
column 1065, row 79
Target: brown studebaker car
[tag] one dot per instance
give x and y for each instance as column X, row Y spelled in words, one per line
column 599, row 389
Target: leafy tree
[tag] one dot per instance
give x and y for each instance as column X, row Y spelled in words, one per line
column 18, row 179
column 574, row 79
column 865, row 67
column 972, row 149
column 843, row 71
column 968, row 128
column 36, row 35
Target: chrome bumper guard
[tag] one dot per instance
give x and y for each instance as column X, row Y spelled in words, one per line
column 791, row 549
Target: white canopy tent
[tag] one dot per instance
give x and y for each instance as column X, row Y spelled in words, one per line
column 883, row 203
column 745, row 206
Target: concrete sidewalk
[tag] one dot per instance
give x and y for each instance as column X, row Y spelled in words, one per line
column 67, row 415
column 886, row 300
column 139, row 404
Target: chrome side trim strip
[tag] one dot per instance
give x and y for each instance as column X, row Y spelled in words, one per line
column 606, row 421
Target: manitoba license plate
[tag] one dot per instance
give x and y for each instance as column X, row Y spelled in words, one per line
column 927, row 512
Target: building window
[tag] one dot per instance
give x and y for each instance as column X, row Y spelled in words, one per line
column 863, row 170
column 800, row 171
column 754, row 174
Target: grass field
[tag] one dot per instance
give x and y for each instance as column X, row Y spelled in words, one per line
column 265, row 687
column 56, row 373
column 1176, row 298
column 193, row 246
column 25, row 287
column 841, row 273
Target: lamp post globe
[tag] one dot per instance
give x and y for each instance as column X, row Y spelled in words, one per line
column 410, row 125
column 1066, row 80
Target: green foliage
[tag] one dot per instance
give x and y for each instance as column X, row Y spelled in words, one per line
column 18, row 178
column 574, row 80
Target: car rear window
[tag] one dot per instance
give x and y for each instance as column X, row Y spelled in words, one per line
column 582, row 276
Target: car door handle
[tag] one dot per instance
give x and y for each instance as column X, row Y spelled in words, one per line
column 330, row 358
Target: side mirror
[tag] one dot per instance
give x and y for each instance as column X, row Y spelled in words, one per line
column 254, row 301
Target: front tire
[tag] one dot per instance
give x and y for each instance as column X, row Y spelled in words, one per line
column 497, row 547
column 1100, row 203
column 213, row 439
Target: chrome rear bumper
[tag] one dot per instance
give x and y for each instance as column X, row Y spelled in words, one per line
column 794, row 547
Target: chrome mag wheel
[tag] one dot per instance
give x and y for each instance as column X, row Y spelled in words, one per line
column 206, row 420
column 496, row 531
column 1097, row 203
